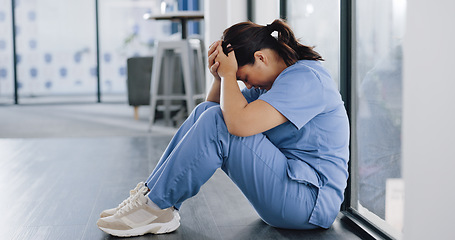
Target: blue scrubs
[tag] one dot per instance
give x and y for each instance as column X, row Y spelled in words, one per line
column 294, row 175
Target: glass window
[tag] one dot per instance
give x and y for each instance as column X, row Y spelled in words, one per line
column 6, row 54
column 56, row 46
column 377, row 175
column 124, row 33
column 56, row 49
column 317, row 23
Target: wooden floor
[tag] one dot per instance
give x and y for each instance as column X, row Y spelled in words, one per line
column 56, row 188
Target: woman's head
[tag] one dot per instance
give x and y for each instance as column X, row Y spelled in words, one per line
column 246, row 38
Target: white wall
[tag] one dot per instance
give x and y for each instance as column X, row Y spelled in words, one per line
column 237, row 11
column 265, row 11
column 429, row 120
column 220, row 14
column 215, row 19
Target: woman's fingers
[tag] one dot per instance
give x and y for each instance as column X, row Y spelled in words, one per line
column 213, row 46
column 226, row 64
column 220, row 49
column 212, row 57
column 213, row 53
column 214, row 68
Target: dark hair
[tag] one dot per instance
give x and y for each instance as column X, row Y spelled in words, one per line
column 246, row 38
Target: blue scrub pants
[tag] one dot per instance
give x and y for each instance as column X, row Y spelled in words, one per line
column 203, row 144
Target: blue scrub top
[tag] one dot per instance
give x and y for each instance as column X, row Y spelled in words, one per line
column 315, row 139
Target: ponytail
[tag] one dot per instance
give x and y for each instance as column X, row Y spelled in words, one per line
column 246, row 38
column 289, row 48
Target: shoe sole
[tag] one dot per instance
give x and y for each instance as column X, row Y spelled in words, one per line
column 154, row 228
column 103, row 215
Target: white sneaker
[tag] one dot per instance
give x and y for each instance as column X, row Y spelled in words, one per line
column 137, row 218
column 112, row 211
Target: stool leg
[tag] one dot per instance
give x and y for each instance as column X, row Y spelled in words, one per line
column 199, row 78
column 199, row 70
column 136, row 113
column 156, row 69
column 187, row 76
column 167, row 82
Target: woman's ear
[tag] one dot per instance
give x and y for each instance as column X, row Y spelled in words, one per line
column 261, row 57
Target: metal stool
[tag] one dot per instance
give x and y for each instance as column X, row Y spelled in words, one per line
column 189, row 51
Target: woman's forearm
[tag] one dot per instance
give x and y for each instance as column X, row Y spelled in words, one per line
column 232, row 102
column 214, row 92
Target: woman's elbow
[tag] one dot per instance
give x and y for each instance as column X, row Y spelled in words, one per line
column 239, row 131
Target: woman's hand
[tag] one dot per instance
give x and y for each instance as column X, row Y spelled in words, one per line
column 227, row 65
column 212, row 54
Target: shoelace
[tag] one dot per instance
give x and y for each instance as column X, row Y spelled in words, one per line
column 132, row 194
column 135, row 201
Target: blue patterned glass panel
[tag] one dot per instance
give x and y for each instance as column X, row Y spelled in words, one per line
column 3, row 73
column 48, row 58
column 56, row 46
column 2, row 15
column 6, row 54
column 33, row 72
column 31, row 16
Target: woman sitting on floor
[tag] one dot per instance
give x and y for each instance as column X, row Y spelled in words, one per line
column 283, row 140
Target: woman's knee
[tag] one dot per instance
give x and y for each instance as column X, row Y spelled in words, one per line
column 201, row 108
column 205, row 105
column 212, row 118
column 212, row 112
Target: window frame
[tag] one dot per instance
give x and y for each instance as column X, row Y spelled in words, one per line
column 348, row 213
column 348, row 88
